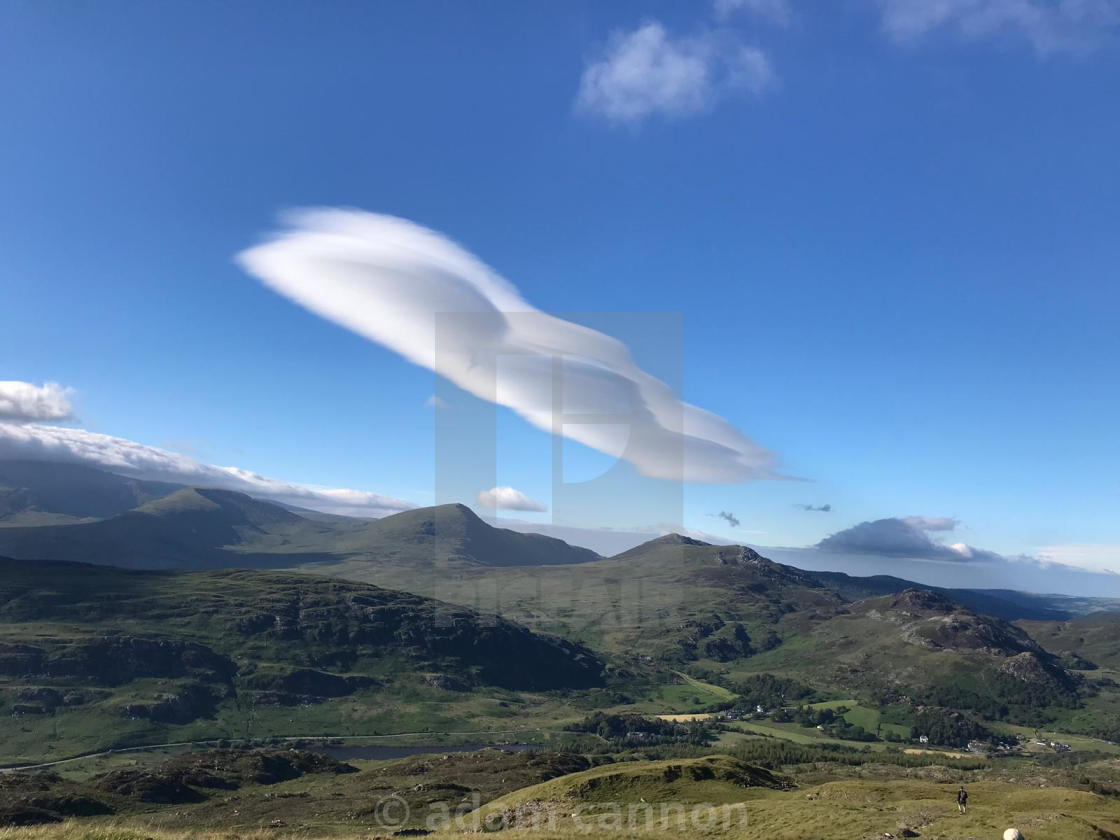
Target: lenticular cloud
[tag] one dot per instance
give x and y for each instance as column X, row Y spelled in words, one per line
column 410, row 289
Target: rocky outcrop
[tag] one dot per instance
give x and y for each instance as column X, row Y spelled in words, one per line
column 302, row 686
column 39, row 798
column 117, row 660
column 188, row 778
column 728, row 643
column 191, row 702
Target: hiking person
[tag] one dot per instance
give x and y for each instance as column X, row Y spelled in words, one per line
column 962, row 800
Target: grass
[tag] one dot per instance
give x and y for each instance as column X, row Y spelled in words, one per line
column 838, row 810
column 868, row 717
column 717, row 692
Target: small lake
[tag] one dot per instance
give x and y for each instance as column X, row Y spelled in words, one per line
column 381, row 753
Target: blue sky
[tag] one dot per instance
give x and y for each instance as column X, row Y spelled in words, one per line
column 890, row 237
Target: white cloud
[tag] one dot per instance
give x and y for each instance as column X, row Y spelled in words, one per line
column 77, row 446
column 1047, row 25
column 648, row 71
column 1098, row 558
column 507, row 498
column 435, row 402
column 23, row 401
column 774, row 11
column 387, row 279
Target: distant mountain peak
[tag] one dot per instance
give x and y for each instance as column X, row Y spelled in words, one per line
column 236, row 506
column 675, row 539
column 921, row 599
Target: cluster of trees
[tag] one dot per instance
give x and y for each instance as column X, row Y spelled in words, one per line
column 771, row 692
column 947, row 727
column 1008, row 697
column 776, row 754
column 636, row 730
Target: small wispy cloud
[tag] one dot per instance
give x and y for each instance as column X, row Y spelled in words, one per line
column 817, row 508
column 435, row 402
column 729, row 517
column 774, row 11
column 648, row 71
column 25, row 402
column 507, row 498
column 1049, row 26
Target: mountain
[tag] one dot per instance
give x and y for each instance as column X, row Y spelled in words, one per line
column 46, row 493
column 455, row 533
column 1000, row 603
column 677, row 603
column 1086, row 643
column 920, row 645
column 196, row 527
column 92, row 653
column 670, row 600
column 189, row 528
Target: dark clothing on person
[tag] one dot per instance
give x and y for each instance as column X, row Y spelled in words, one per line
column 962, row 800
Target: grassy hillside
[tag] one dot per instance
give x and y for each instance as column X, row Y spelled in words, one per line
column 453, row 534
column 196, row 528
column 1092, row 641
column 268, row 794
column 43, row 493
column 919, row 644
column 672, row 599
column 725, row 613
column 91, row 656
column 186, row 529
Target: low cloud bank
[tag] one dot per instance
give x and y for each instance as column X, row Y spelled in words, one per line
column 77, row 446
column 22, row 402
